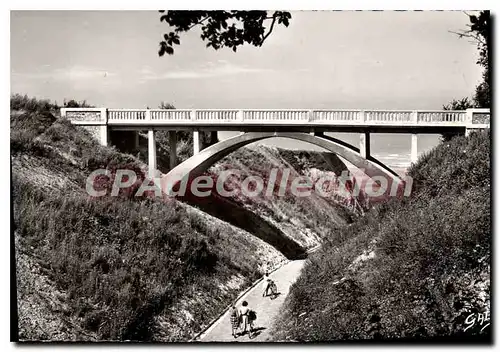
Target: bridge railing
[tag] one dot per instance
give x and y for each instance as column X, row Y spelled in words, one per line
column 380, row 116
column 296, row 116
column 442, row 116
column 170, row 115
column 126, row 114
column 215, row 115
column 332, row 116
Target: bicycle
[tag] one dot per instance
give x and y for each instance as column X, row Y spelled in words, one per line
column 274, row 290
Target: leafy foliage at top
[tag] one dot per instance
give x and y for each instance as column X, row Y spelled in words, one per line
column 479, row 33
column 481, row 30
column 220, row 29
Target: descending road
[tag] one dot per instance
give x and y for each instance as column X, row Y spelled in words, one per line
column 267, row 309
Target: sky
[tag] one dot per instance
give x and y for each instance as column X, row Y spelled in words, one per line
column 324, row 59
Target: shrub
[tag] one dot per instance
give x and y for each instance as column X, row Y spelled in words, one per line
column 453, row 167
column 111, row 253
column 76, row 104
column 23, row 102
column 411, row 268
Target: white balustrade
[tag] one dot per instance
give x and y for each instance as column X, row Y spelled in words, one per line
column 275, row 115
column 284, row 116
column 387, row 116
column 126, row 115
column 441, row 116
column 337, row 116
column 216, row 115
column 170, row 115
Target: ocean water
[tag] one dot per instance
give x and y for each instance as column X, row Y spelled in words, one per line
column 391, row 149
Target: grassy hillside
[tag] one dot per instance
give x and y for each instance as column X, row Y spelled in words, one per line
column 412, row 268
column 113, row 268
column 139, row 268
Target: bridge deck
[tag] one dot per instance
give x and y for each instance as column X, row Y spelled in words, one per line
column 253, row 120
column 99, row 122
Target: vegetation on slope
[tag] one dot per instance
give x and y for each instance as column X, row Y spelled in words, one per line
column 411, row 268
column 121, row 265
column 134, row 267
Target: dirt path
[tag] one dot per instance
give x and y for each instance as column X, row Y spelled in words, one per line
column 267, row 309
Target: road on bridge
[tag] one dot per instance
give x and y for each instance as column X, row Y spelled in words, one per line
column 267, row 309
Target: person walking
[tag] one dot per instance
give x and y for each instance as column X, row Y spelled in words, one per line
column 265, row 285
column 235, row 322
column 244, row 313
column 252, row 316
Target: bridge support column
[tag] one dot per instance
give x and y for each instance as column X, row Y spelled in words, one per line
column 213, row 138
column 136, row 140
column 104, row 132
column 104, row 137
column 414, row 150
column 364, row 145
column 196, row 142
column 151, row 153
column 172, row 141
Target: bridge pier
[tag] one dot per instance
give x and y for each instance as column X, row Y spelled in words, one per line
column 104, row 135
column 196, row 142
column 151, row 153
column 172, row 141
column 414, row 150
column 135, row 145
column 364, row 144
column 213, row 138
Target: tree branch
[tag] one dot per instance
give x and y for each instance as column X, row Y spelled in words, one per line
column 197, row 23
column 270, row 30
column 470, row 34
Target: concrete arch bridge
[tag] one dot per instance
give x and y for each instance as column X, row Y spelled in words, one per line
column 307, row 125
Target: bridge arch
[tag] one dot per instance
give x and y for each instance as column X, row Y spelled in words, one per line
column 201, row 162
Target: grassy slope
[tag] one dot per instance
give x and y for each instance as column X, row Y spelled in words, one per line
column 162, row 265
column 409, row 269
column 113, row 268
